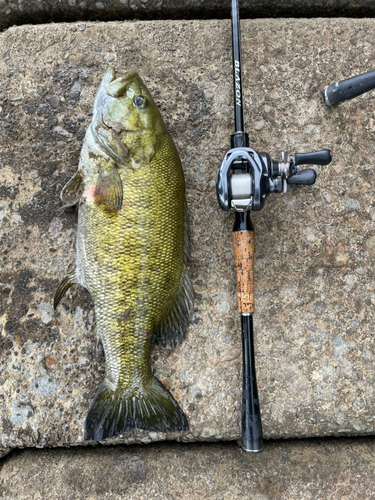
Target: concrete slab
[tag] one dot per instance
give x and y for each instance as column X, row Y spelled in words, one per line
column 315, row 290
column 294, row 470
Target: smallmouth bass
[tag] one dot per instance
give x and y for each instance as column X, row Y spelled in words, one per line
column 131, row 254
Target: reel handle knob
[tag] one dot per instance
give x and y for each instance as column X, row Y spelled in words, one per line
column 303, row 177
column 322, row 157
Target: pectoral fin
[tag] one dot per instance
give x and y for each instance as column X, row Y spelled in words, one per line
column 73, row 190
column 65, row 284
column 108, row 189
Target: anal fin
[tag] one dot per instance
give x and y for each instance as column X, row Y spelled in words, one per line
column 64, row 285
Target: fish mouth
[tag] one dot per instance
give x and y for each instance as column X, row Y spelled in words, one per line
column 116, row 128
column 117, row 87
column 104, row 130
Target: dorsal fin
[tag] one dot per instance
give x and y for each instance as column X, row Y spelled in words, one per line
column 172, row 329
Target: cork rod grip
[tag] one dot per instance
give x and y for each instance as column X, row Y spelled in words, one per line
column 243, row 249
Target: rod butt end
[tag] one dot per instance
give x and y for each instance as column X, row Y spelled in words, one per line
column 253, row 446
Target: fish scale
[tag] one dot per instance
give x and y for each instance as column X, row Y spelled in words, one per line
column 132, row 253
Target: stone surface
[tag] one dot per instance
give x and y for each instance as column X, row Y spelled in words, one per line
column 44, row 11
column 304, row 470
column 314, row 316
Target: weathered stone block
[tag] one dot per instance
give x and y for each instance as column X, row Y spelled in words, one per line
column 44, row 11
column 314, row 268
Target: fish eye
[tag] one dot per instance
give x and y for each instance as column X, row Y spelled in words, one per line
column 139, row 101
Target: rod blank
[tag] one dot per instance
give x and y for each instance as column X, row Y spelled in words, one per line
column 237, row 73
column 252, row 433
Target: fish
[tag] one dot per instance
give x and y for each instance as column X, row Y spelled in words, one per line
column 132, row 253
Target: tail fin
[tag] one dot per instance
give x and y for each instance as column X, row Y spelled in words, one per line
column 151, row 408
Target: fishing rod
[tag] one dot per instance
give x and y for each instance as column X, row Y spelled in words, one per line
column 243, row 181
column 348, row 89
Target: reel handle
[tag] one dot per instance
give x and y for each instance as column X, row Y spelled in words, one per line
column 322, row 157
column 303, row 177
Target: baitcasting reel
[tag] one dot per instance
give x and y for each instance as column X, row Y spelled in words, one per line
column 246, row 177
